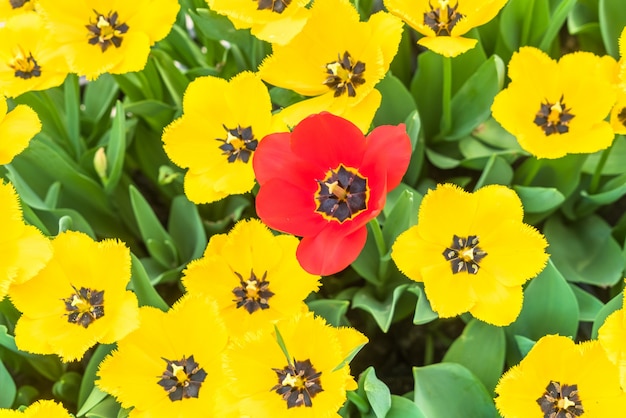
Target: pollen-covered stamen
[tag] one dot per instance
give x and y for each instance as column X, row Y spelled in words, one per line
column 344, row 75
column 443, row 18
column 24, row 65
column 106, row 30
column 84, row 306
column 554, row 118
column 342, row 195
column 464, row 254
column 561, row 401
column 253, row 293
column 239, row 144
column 16, row 4
column 298, row 383
column 277, row 6
column 182, row 378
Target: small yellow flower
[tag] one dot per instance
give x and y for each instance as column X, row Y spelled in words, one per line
column 472, row 251
column 24, row 249
column 30, row 59
column 612, row 337
column 171, row 366
column 108, row 36
column 558, row 378
column 10, row 8
column 17, row 128
column 275, row 21
column 336, row 58
column 77, row 300
column 557, row 108
column 39, row 409
column 307, row 384
column 444, row 22
column 218, row 133
column 254, row 276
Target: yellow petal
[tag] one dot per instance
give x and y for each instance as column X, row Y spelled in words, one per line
column 495, row 304
column 448, row 46
column 16, row 130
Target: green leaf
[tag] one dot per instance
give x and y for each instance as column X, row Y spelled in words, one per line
column 67, row 387
column 381, row 311
column 612, row 14
column 175, row 81
column 423, row 312
column 186, row 229
column 98, row 97
column 108, row 408
column 550, row 307
column 368, row 262
column 524, row 344
column 402, row 216
column 486, row 361
column 471, row 105
column 539, row 199
column 152, row 232
column 556, row 23
column 146, row 293
column 614, row 163
column 497, row 171
column 48, row 366
column 332, row 310
column 378, row 394
column 584, row 251
column 524, row 22
column 72, row 113
column 402, row 407
column 116, row 149
column 89, row 376
column 8, row 391
column 434, row 385
column 614, row 304
column 397, row 103
column 588, row 305
column 94, row 399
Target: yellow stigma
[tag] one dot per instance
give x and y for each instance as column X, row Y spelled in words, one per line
column 467, row 254
column 443, row 16
column 237, row 143
column 179, row 373
column 290, row 380
column 102, row 22
column 337, row 190
column 251, row 288
column 565, row 403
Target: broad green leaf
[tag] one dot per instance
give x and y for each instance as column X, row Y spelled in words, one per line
column 423, row 312
column 72, row 114
column 497, row 171
column 186, row 229
column 556, row 23
column 614, row 163
column 146, row 293
column 539, row 199
column 481, row 349
column 96, row 396
column 584, row 251
column 588, row 305
column 89, row 376
column 414, row 130
column 612, row 14
column 116, row 149
column 451, row 390
column 382, row 311
column 7, row 388
column 332, row 310
column 175, row 81
column 67, row 387
column 471, row 105
column 562, row 173
column 99, row 96
column 402, row 216
column 397, row 103
column 549, row 307
column 524, row 22
column 108, row 408
column 402, row 407
column 367, row 263
column 524, row 344
column 378, row 394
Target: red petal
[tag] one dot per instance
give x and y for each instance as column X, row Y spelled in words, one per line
column 273, row 158
column 328, row 252
column 389, row 147
column 326, row 140
column 285, row 207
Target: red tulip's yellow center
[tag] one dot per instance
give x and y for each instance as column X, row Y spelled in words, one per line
column 560, row 401
column 24, row 65
column 239, row 144
column 182, row 378
column 106, row 30
column 344, row 75
column 442, row 18
column 26, row 4
column 553, row 118
column 85, row 306
column 252, row 294
column 464, row 254
column 342, row 194
column 277, row 6
column 298, row 383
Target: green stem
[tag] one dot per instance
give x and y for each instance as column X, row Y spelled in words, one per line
column 534, row 169
column 72, row 114
column 527, row 23
column 597, row 174
column 447, row 95
column 382, row 251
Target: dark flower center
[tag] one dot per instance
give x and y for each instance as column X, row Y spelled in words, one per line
column 25, row 66
column 442, row 19
column 253, row 293
column 182, row 378
column 344, row 75
column 106, row 30
column 553, row 118
column 239, row 144
column 464, row 254
column 277, row 6
column 560, row 401
column 16, row 4
column 342, row 195
column 298, row 383
column 621, row 116
column 84, row 306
